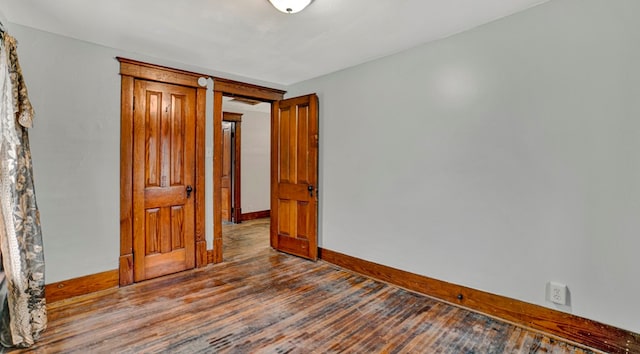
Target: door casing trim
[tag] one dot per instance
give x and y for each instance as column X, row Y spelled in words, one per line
column 131, row 70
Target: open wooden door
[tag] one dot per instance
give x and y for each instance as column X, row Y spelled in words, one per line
column 163, row 179
column 294, row 176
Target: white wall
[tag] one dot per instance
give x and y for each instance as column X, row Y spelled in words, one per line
column 499, row 159
column 4, row 21
column 256, row 161
column 255, row 178
column 75, row 89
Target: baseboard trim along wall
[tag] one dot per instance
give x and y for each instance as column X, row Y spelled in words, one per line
column 80, row 286
column 564, row 325
column 255, row 215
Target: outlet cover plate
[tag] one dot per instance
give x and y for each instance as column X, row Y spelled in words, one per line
column 558, row 293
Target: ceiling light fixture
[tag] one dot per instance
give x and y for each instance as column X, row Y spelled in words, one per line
column 290, row 6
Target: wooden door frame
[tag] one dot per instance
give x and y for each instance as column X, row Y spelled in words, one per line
column 226, row 87
column 236, row 187
column 131, row 70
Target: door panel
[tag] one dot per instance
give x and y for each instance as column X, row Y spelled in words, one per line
column 226, row 171
column 294, row 176
column 164, row 168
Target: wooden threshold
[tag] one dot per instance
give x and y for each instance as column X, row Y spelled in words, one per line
column 87, row 284
column 564, row 325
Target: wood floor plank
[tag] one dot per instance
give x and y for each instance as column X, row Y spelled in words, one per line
column 262, row 301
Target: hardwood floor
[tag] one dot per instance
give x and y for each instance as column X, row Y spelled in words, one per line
column 263, row 301
column 245, row 239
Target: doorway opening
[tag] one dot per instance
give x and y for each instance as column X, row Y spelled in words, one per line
column 293, row 168
column 246, row 140
column 241, row 171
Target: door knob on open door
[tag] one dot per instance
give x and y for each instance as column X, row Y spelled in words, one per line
column 310, row 189
column 189, row 190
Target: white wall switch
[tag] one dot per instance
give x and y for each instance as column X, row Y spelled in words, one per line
column 558, row 293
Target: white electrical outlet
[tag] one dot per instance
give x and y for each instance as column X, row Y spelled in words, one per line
column 558, row 293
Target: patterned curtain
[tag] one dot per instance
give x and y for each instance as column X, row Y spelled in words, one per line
column 23, row 311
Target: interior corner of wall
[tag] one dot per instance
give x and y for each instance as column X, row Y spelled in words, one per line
column 4, row 20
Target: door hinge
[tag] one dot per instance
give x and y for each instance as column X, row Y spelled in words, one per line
column 233, row 135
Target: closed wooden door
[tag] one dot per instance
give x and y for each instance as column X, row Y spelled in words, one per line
column 163, row 179
column 294, row 176
column 227, row 160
